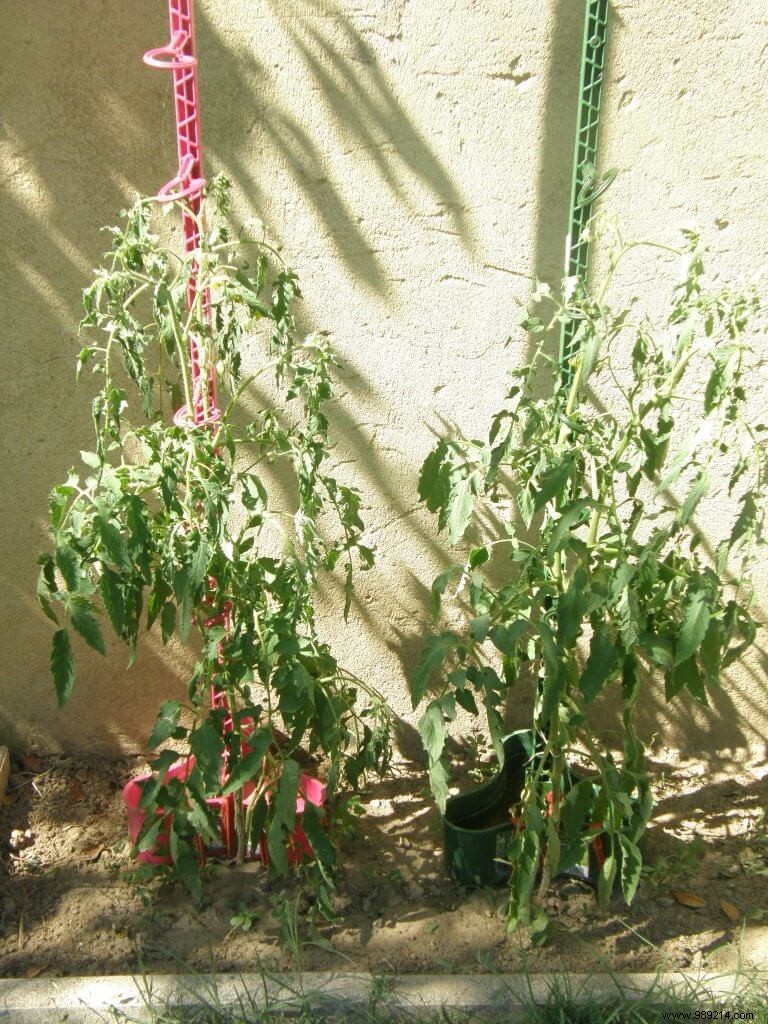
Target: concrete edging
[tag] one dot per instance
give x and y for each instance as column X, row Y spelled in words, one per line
column 86, row 1000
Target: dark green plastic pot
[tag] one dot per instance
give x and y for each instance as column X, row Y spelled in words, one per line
column 477, row 826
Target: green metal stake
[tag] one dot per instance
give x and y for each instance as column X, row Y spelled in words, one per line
column 585, row 184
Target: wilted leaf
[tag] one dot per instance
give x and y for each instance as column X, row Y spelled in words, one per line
column 92, row 851
column 687, row 899
column 731, row 911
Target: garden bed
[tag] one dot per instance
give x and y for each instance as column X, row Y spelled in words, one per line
column 68, row 905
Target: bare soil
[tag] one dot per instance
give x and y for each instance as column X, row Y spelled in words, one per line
column 69, row 906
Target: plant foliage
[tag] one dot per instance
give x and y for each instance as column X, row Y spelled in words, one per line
column 601, row 579
column 168, row 527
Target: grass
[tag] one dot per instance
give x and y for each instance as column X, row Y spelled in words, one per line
column 561, row 1004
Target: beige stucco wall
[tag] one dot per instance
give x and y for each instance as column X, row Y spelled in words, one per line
column 414, row 158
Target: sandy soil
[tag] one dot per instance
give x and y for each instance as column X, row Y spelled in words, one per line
column 68, row 905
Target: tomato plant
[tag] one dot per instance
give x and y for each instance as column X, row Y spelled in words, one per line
column 601, row 578
column 214, row 534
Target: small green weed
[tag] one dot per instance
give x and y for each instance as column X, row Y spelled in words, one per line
column 244, row 918
column 675, row 867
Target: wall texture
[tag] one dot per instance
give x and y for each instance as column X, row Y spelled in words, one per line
column 413, row 156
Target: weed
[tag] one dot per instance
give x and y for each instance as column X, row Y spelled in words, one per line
column 244, row 918
column 675, row 867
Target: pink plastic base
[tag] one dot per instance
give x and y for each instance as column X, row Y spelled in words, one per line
column 311, row 789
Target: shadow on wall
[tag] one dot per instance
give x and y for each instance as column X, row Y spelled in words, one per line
column 357, row 101
column 80, row 133
column 71, row 165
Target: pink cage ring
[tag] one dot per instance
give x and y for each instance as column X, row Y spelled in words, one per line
column 171, row 56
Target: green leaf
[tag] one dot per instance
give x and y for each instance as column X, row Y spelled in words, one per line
column 628, row 613
column 540, row 928
column 112, row 598
column 149, row 833
column 91, row 459
column 432, row 731
column 460, row 507
column 659, row 649
column 478, row 627
column 167, row 621
column 552, row 482
column 438, row 783
column 467, row 701
column 631, row 868
column 88, row 628
column 746, row 519
column 43, row 596
column 165, row 723
column 285, row 815
column 62, row 665
column 436, row 649
column 434, row 479
column 590, row 352
column 573, row 515
column 201, row 816
column 251, row 766
column 685, row 676
column 248, row 295
column 185, row 862
column 57, row 502
column 571, row 609
column 698, row 489
column 111, row 540
column 523, row 855
column 201, row 556
column 478, row 557
column 207, row 746
column 696, row 616
column 575, row 807
column 605, row 881
column 285, row 804
column 315, row 833
column 68, row 564
column 710, row 652
column 601, row 664
column 278, row 859
column 506, row 636
column 348, row 590
column 181, row 592
column 439, row 585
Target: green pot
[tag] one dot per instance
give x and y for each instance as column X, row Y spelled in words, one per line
column 477, row 826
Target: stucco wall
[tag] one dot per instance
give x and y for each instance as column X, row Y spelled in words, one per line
column 414, row 158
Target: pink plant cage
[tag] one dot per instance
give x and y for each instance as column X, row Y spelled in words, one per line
column 187, row 186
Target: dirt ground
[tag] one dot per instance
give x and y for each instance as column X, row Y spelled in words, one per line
column 68, row 905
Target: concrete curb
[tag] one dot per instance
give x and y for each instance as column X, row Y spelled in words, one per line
column 90, row 1000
